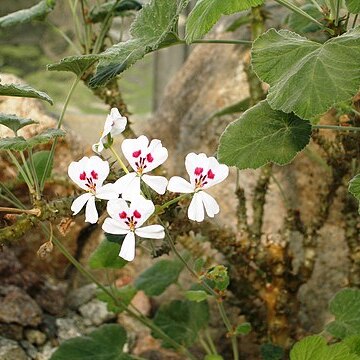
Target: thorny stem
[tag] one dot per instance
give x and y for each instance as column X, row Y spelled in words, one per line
column 336, row 127
column 145, row 321
column 118, row 158
column 52, row 151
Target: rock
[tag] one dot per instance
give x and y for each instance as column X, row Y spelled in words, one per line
column 29, row 348
column 81, row 296
column 96, row 313
column 18, row 307
column 142, row 303
column 67, row 329
column 48, row 326
column 10, row 350
column 11, row 331
column 35, row 336
column 46, row 352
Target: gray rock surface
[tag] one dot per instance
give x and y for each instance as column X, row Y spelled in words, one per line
column 11, row 350
column 35, row 336
column 67, row 329
column 30, row 349
column 80, row 296
column 96, row 313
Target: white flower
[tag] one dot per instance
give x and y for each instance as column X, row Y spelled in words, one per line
column 142, row 157
column 127, row 220
column 204, row 172
column 115, row 124
column 89, row 174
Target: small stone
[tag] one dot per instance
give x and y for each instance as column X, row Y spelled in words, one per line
column 35, row 336
column 48, row 326
column 10, row 350
column 16, row 306
column 96, row 313
column 29, row 349
column 11, row 331
column 81, row 296
column 46, row 352
column 51, row 297
column 67, row 329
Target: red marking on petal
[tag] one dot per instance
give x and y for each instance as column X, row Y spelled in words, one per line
column 136, row 154
column 198, row 171
column 149, row 158
column 123, row 215
column 94, row 175
column 137, row 214
column 210, row 174
column 83, row 176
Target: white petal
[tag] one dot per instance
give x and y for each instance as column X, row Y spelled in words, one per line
column 196, row 208
column 193, row 161
column 116, row 207
column 133, row 189
column 143, row 206
column 180, row 185
column 107, row 192
column 111, row 226
column 157, row 183
column 128, row 185
column 98, row 147
column 100, row 166
column 158, row 153
column 75, row 169
column 118, row 122
column 130, row 146
column 210, row 204
column 127, row 250
column 151, row 232
column 219, row 172
column 91, row 214
column 79, row 202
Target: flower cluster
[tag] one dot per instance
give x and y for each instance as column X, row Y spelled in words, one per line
column 127, row 207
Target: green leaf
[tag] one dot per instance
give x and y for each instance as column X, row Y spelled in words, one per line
column 206, row 13
column 75, row 64
column 37, row 12
column 353, row 6
column 99, row 12
column 18, row 143
column 301, row 24
column 105, row 343
column 271, row 352
column 345, row 306
column 199, row 264
column 14, row 122
column 243, row 329
column 23, row 91
column 155, row 280
column 213, row 357
column 219, row 275
column 315, row 348
column 196, row 295
column 353, row 343
column 40, row 159
column 354, row 188
column 151, row 30
column 306, row 77
column 106, row 254
column 182, row 320
column 263, row 135
column 124, row 294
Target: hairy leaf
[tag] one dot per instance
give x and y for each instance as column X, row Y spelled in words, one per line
column 23, row 91
column 263, row 135
column 206, row 13
column 99, row 12
column 14, row 122
column 315, row 348
column 125, row 294
column 75, row 64
column 105, row 343
column 182, row 320
column 307, row 77
column 106, row 254
column 155, row 280
column 301, row 24
column 36, row 12
column 354, row 188
column 345, row 305
column 353, row 6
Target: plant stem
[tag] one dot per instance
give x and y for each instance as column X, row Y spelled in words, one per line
column 336, row 127
column 210, row 341
column 11, row 197
column 118, row 158
column 337, row 11
column 205, row 345
column 231, row 42
column 52, row 151
column 173, row 201
column 34, row 174
column 355, row 19
column 144, row 320
column 35, row 212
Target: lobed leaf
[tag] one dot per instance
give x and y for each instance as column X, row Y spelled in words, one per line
column 105, row 343
column 353, row 6
column 301, row 24
column 354, row 188
column 36, row 12
column 155, row 280
column 307, row 77
column 263, row 135
column 206, row 13
column 75, row 64
column 14, row 122
column 24, row 91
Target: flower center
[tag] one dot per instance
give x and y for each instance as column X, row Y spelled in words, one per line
column 201, row 179
column 89, row 180
column 142, row 161
column 130, row 220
